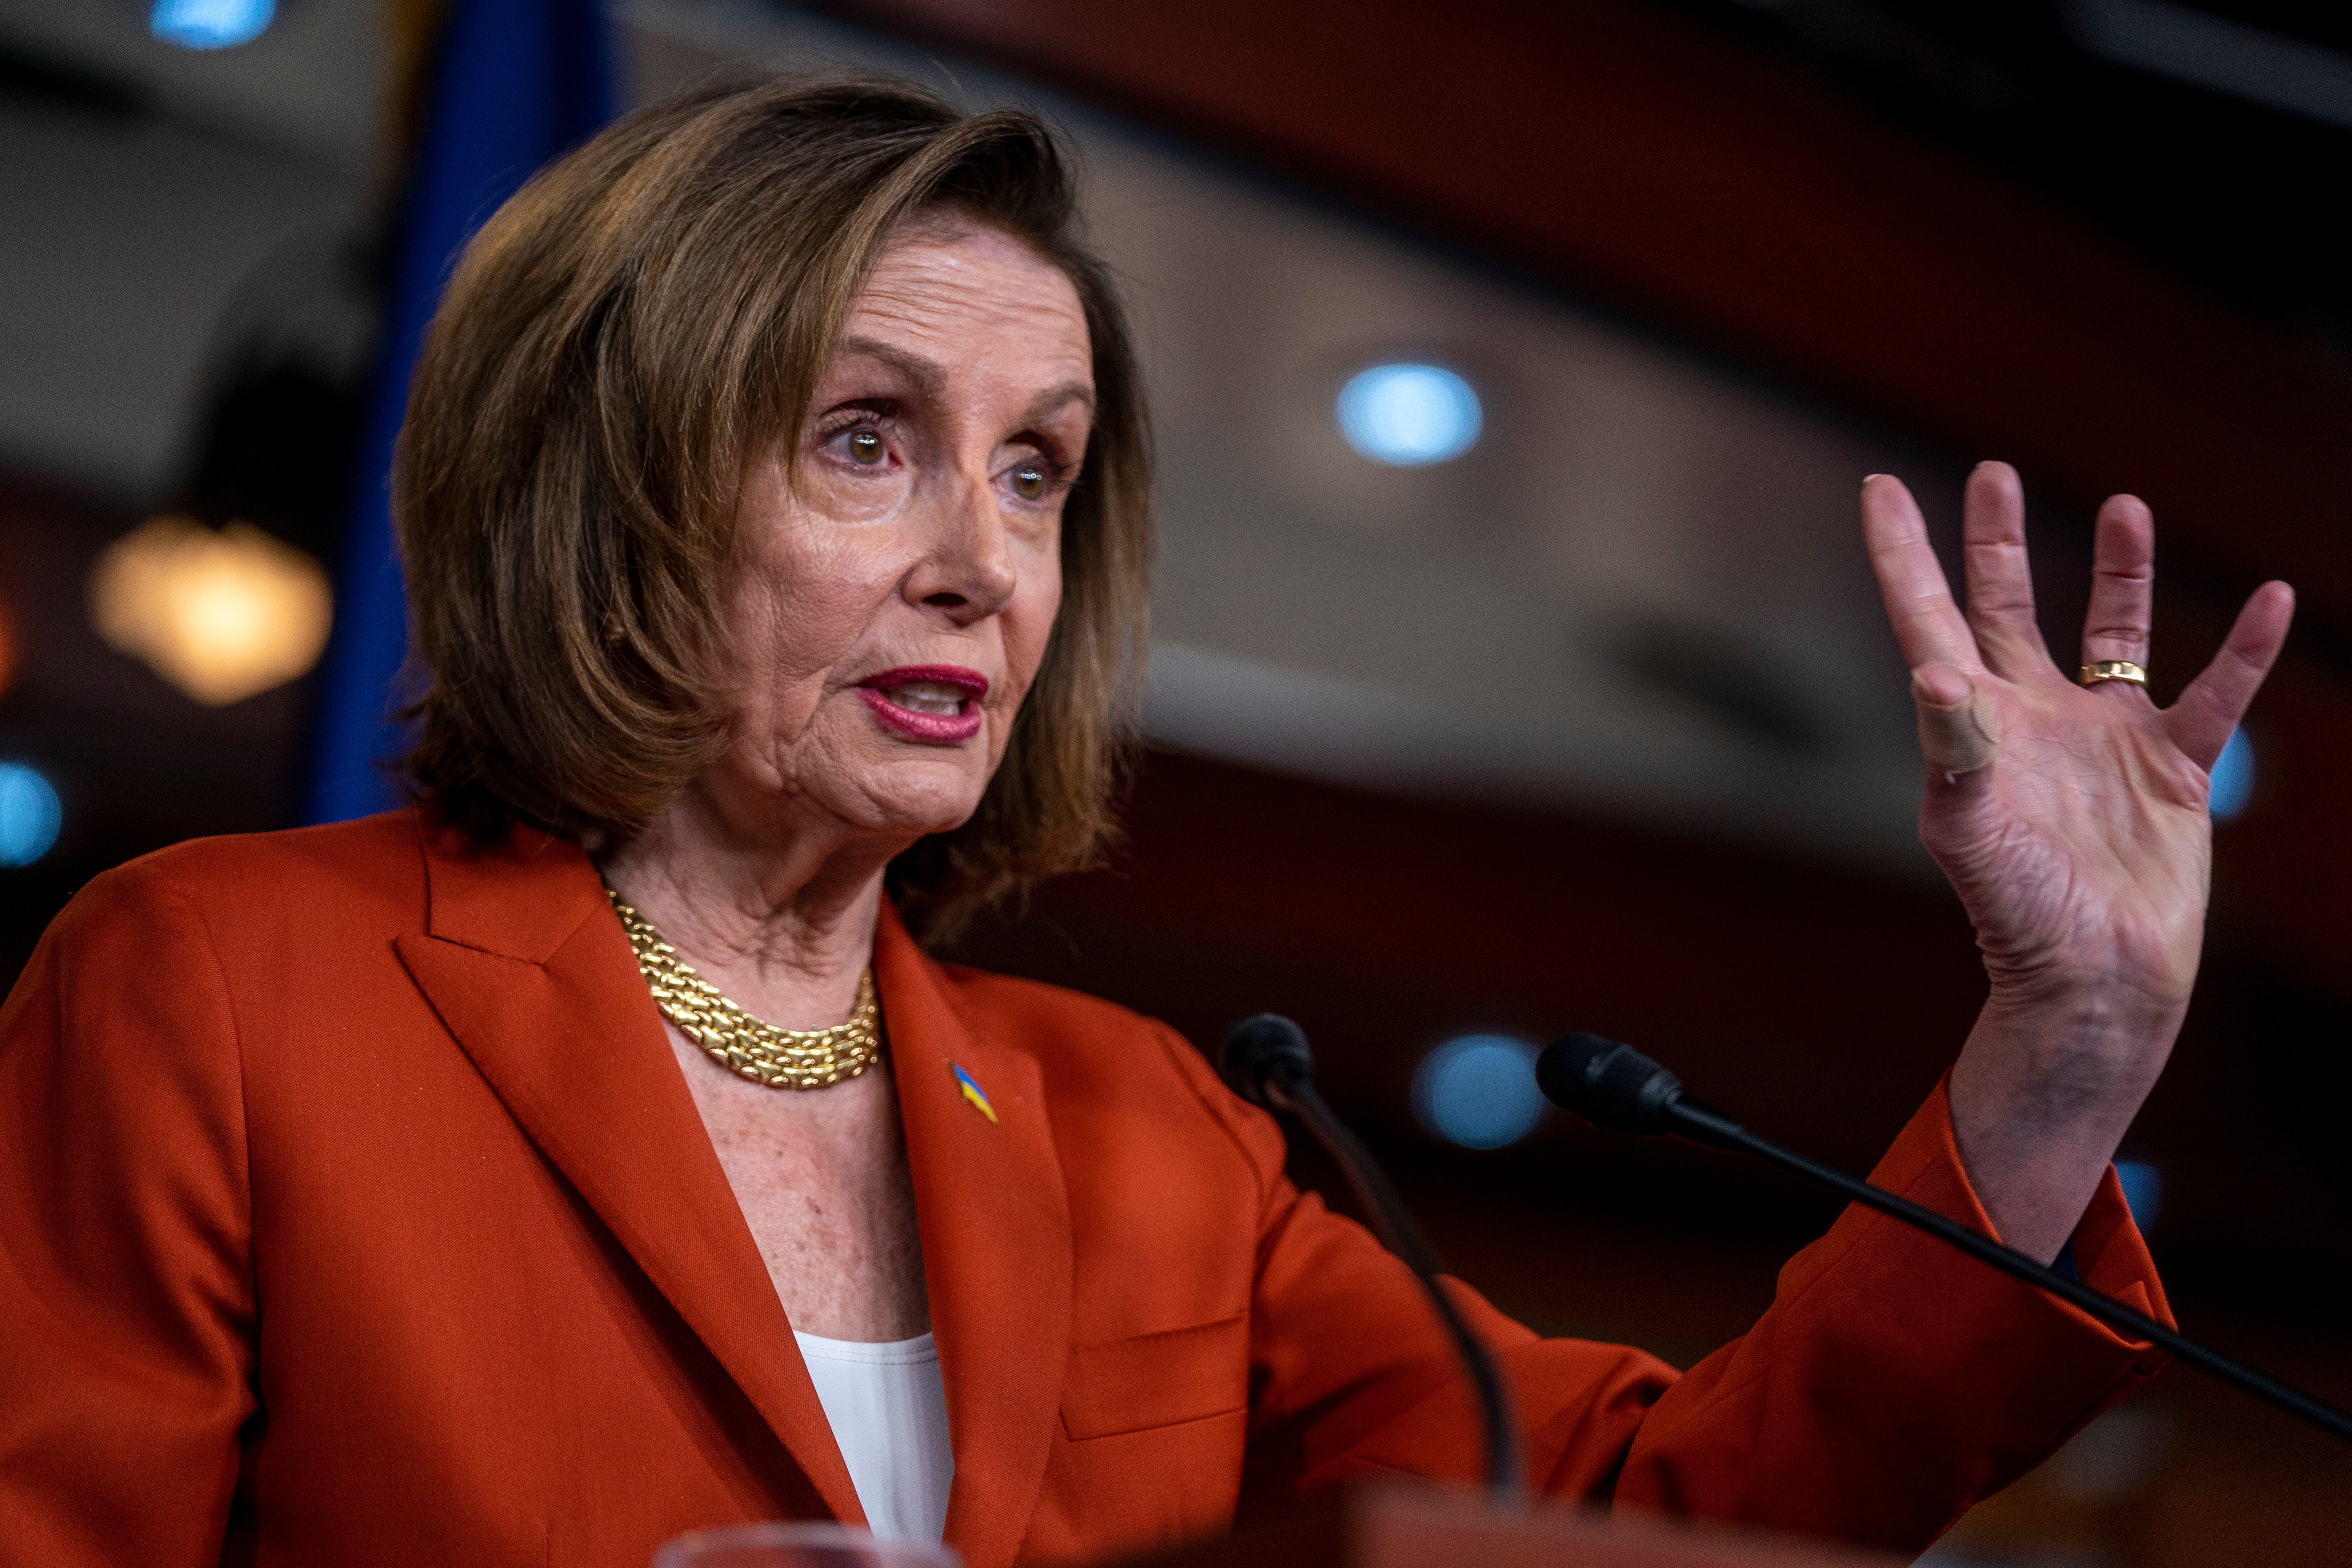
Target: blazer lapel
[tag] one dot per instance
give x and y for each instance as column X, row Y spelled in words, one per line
column 996, row 1244
column 523, row 962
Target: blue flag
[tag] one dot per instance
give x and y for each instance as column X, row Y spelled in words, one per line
column 513, row 84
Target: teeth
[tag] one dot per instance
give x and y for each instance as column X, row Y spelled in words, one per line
column 929, row 697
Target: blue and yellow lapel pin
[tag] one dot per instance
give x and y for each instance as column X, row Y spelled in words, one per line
column 972, row 1094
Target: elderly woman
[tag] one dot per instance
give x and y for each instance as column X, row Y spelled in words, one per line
column 590, row 1152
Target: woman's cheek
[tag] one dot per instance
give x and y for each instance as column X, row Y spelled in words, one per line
column 854, row 497
column 1041, row 572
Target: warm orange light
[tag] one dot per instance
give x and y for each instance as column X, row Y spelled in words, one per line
column 222, row 616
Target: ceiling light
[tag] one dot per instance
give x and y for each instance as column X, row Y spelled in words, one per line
column 1409, row 415
column 1478, row 1090
column 222, row 616
column 30, row 814
column 2143, row 1186
column 210, row 23
column 2234, row 778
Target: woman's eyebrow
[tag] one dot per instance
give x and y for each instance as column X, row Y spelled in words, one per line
column 1055, row 399
column 928, row 375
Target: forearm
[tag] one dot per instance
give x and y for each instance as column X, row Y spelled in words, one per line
column 2043, row 1094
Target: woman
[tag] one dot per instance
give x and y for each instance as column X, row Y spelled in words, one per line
column 772, row 501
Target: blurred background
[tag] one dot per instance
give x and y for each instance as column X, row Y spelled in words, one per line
column 1516, row 665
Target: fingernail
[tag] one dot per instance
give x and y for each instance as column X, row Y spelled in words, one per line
column 1867, row 478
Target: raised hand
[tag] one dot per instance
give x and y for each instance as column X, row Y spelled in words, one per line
column 2073, row 823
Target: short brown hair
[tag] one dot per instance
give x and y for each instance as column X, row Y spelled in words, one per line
column 615, row 346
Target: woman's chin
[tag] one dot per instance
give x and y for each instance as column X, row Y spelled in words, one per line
column 914, row 798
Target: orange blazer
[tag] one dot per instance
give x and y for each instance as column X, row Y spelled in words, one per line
column 353, row 1211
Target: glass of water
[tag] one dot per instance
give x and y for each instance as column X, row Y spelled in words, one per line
column 798, row 1546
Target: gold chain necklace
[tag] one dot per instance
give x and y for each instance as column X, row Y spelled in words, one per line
column 749, row 1046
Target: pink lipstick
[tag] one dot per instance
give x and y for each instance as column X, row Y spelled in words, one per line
column 935, row 702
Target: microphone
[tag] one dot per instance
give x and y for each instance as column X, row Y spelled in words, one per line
column 1615, row 1086
column 1266, row 1061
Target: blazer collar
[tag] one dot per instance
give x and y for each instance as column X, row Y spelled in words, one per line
column 524, row 962
column 995, row 1224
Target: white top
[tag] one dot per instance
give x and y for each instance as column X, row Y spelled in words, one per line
column 889, row 1409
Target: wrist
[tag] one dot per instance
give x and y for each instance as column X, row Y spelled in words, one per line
column 2043, row 1091
column 2087, row 1019
column 2063, row 1064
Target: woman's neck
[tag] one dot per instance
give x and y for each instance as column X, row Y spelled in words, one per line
column 781, row 921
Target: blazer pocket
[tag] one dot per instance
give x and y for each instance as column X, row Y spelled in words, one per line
column 1158, row 1380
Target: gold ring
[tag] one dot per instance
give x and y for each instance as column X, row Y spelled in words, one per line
column 2114, row 670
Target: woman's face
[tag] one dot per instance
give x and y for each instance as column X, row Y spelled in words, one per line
column 900, row 562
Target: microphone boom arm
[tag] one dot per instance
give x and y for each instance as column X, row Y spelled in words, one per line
column 1702, row 1123
column 1267, row 1061
column 1615, row 1086
column 1396, row 1226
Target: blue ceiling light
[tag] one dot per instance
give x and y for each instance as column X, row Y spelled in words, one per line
column 2234, row 778
column 1409, row 415
column 30, row 814
column 2143, row 1186
column 1479, row 1091
column 210, row 23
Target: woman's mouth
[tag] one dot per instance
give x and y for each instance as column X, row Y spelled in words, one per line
column 936, row 702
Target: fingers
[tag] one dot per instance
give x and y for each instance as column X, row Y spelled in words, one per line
column 1911, row 580
column 2201, row 722
column 1999, row 578
column 2123, row 584
column 1958, row 731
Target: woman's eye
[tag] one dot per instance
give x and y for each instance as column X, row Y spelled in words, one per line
column 1029, row 481
column 866, row 447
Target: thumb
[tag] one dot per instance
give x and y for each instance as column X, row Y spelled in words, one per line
column 1958, row 731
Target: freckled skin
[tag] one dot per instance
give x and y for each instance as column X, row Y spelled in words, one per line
column 915, row 519
column 822, row 1180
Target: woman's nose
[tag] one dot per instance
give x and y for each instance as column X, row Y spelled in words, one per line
column 970, row 571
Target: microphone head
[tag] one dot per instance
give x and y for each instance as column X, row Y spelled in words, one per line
column 1266, row 1051
column 1609, row 1083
